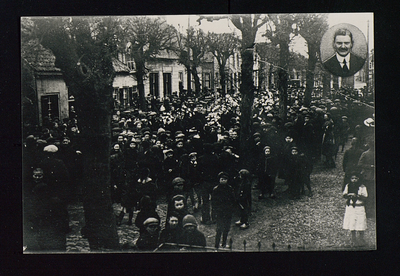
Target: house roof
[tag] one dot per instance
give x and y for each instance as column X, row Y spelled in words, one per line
column 119, row 66
column 167, row 55
column 41, row 59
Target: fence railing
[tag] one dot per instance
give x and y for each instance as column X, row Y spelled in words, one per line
column 287, row 248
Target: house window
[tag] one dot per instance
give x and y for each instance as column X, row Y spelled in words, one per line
column 131, row 65
column 217, row 79
column 121, row 57
column 49, row 106
column 115, row 94
column 181, row 76
column 121, row 96
column 167, row 84
column 154, row 91
column 125, row 96
column 207, row 80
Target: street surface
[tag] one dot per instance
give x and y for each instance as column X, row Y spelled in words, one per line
column 307, row 224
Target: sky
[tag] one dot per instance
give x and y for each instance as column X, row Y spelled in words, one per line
column 360, row 20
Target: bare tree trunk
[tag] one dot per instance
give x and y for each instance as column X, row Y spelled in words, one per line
column 99, row 215
column 247, row 92
column 94, row 103
column 189, row 81
column 140, row 76
column 283, row 78
column 95, row 122
column 283, row 97
column 309, row 87
column 223, row 79
column 312, row 60
column 326, row 81
column 196, row 81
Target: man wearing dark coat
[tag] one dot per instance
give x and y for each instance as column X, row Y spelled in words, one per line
column 56, row 174
column 208, row 165
column 350, row 160
column 343, row 63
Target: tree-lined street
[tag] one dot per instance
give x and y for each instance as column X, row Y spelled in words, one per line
column 250, row 102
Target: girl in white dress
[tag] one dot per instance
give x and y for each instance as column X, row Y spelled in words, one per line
column 355, row 218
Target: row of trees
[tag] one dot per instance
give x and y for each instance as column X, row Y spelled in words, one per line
column 84, row 49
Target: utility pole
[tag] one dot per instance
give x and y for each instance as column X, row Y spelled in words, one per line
column 189, row 77
column 367, row 67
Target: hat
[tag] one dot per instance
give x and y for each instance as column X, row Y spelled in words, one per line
column 189, row 220
column 177, row 180
column 50, row 148
column 192, row 154
column 41, row 142
column 294, row 148
column 369, row 122
column 223, row 174
column 344, row 117
column 151, row 220
column 266, row 147
column 168, row 151
column 160, row 130
column 178, row 198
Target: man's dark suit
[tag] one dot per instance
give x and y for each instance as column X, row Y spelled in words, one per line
column 333, row 65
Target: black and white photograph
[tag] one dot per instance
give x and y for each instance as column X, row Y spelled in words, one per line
column 346, row 50
column 198, row 133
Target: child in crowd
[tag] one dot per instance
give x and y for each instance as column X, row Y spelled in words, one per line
column 191, row 235
column 178, row 206
column 223, row 203
column 355, row 218
column 244, row 198
column 266, row 170
column 149, row 238
column 171, row 233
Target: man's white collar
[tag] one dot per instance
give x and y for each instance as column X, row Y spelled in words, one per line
column 340, row 59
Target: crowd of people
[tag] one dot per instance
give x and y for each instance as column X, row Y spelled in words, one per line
column 186, row 153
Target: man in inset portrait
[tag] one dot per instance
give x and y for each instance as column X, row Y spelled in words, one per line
column 344, row 62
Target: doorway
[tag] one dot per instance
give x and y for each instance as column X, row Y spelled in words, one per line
column 50, row 108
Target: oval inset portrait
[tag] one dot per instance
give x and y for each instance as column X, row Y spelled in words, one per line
column 343, row 50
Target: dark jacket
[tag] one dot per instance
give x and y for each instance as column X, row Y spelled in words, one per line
column 147, row 242
column 223, row 199
column 208, row 166
column 350, row 159
column 267, row 165
column 169, row 235
column 193, row 238
column 243, row 193
column 333, row 65
column 56, row 176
